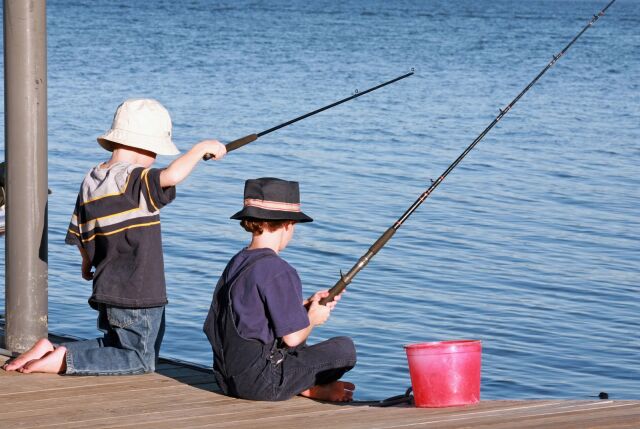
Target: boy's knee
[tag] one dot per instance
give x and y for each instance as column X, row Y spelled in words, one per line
column 148, row 363
column 346, row 347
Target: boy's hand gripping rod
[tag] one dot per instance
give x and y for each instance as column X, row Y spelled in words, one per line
column 345, row 279
column 252, row 137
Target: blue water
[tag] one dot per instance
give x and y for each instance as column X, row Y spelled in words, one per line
column 531, row 245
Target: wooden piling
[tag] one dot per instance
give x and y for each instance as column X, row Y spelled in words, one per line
column 25, row 84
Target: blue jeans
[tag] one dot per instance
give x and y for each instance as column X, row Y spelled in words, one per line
column 130, row 345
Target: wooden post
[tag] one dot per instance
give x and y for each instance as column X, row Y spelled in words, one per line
column 25, row 119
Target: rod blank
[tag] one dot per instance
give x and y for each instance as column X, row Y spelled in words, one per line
column 236, row 144
column 345, row 279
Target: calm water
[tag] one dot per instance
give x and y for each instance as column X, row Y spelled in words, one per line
column 531, row 245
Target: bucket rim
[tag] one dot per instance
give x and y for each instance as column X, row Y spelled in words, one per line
column 437, row 345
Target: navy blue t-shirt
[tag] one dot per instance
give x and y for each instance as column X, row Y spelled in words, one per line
column 267, row 299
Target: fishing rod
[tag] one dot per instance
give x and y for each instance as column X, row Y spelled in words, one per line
column 345, row 279
column 252, row 137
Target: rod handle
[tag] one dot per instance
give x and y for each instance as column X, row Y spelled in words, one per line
column 345, row 279
column 234, row 145
column 335, row 290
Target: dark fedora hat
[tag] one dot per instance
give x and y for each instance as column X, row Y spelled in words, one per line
column 269, row 198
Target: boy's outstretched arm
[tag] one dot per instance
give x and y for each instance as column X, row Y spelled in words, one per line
column 181, row 167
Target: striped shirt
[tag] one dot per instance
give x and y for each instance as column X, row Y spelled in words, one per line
column 117, row 221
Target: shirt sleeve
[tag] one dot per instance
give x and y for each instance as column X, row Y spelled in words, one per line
column 73, row 232
column 147, row 182
column 283, row 298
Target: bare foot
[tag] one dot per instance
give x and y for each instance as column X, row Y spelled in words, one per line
column 338, row 391
column 39, row 349
column 53, row 363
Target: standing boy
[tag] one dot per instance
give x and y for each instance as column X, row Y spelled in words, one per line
column 258, row 322
column 116, row 226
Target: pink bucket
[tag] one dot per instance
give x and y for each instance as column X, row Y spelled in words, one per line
column 445, row 373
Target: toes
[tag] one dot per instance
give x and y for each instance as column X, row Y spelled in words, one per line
column 348, row 386
column 25, row 369
column 11, row 367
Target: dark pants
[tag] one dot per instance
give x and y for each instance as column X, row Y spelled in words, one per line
column 249, row 369
column 287, row 372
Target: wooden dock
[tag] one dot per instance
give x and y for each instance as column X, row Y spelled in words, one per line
column 181, row 395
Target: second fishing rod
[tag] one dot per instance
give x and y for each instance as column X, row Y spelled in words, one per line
column 345, row 279
column 236, row 144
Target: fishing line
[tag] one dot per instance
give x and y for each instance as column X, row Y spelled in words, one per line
column 252, row 137
column 345, row 279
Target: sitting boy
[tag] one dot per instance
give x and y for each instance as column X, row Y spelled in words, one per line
column 116, row 226
column 258, row 322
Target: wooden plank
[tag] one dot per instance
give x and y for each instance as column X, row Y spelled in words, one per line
column 142, row 404
column 135, row 386
column 609, row 414
column 97, row 400
column 345, row 416
column 512, row 416
column 109, row 408
column 27, row 383
column 526, row 414
column 176, row 417
column 132, row 389
column 100, row 399
column 274, row 414
column 182, row 395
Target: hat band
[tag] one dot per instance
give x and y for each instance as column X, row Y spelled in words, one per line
column 272, row 205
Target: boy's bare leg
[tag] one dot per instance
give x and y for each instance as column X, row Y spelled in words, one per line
column 338, row 391
column 53, row 363
column 39, row 349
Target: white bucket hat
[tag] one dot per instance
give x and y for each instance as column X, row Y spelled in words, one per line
column 143, row 123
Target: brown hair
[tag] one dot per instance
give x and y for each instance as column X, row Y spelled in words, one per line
column 258, row 226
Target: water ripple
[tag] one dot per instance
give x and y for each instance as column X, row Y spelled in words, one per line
column 530, row 245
